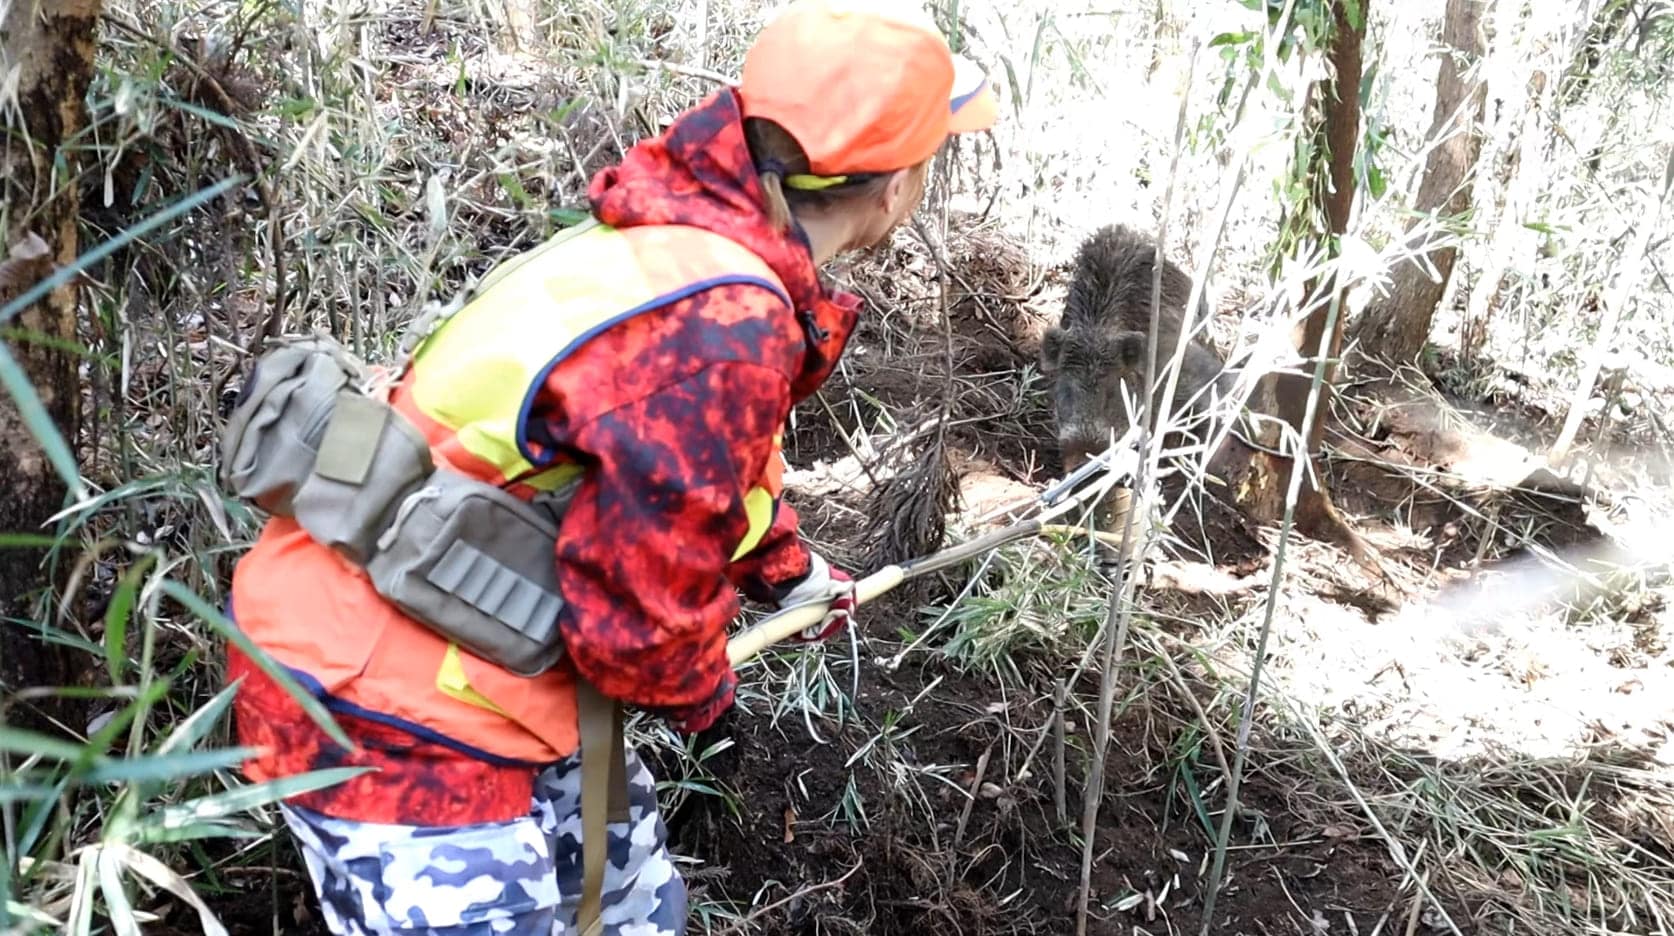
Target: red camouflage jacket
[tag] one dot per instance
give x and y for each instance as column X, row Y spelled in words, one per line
column 673, row 413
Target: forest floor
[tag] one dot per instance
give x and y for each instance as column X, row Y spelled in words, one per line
column 1479, row 740
column 1480, row 706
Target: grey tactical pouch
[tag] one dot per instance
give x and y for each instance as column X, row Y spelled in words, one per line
column 309, row 439
column 482, row 561
column 273, row 433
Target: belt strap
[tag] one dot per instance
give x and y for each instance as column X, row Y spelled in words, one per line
column 604, row 796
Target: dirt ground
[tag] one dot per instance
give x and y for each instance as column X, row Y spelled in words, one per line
column 1013, row 870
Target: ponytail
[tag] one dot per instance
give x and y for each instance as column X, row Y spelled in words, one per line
column 773, row 191
column 778, row 156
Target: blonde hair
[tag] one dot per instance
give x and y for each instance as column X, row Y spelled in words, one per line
column 777, row 155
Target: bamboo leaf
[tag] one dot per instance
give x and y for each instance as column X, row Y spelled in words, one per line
column 197, row 726
column 117, row 616
column 36, row 815
column 27, row 541
column 57, row 636
column 24, row 741
column 119, row 911
column 1189, row 777
column 32, row 914
column 40, row 423
column 166, row 766
column 203, row 113
column 151, row 834
column 221, row 805
column 81, row 902
column 1356, row 15
column 159, row 874
column 127, row 491
column 41, row 339
column 14, row 792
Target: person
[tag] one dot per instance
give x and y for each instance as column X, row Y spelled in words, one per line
column 646, row 365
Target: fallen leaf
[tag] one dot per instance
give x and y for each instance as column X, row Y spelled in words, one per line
column 99, row 721
column 790, row 825
column 1130, row 901
column 161, row 875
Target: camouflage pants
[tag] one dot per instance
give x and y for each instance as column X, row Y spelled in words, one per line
column 521, row 877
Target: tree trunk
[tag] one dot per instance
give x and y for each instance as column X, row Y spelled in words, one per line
column 1341, row 132
column 1260, row 479
column 1397, row 327
column 1316, row 515
column 47, row 47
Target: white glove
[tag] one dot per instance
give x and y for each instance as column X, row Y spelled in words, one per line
column 823, row 584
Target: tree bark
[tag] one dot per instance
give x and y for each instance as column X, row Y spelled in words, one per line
column 1396, row 327
column 48, row 46
column 1260, row 479
column 1340, row 128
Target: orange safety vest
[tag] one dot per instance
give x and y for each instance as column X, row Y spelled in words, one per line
column 468, row 389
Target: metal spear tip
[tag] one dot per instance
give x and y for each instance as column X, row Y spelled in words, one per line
column 1117, row 458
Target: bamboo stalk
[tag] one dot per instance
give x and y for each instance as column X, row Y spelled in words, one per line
column 1060, row 795
column 1120, row 614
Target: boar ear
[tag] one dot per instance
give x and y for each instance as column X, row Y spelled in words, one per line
column 1127, row 351
column 1051, row 350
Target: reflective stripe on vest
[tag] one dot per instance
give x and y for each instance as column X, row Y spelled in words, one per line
column 478, row 375
column 469, row 389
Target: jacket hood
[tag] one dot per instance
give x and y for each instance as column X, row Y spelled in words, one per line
column 698, row 172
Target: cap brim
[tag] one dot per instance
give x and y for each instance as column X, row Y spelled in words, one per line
column 974, row 105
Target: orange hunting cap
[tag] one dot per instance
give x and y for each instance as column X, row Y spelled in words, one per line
column 863, row 85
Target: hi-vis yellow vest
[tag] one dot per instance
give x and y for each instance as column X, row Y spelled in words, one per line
column 468, row 388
